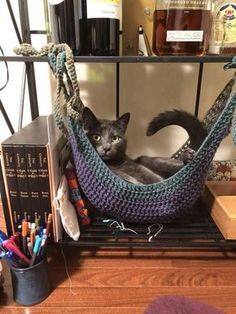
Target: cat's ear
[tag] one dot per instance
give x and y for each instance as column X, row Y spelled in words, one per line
column 123, row 121
column 89, row 119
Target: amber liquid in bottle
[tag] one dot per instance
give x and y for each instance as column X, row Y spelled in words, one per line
column 181, row 20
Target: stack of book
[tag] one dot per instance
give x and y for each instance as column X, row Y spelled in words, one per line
column 33, row 159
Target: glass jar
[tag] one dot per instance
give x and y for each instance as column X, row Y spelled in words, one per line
column 181, row 27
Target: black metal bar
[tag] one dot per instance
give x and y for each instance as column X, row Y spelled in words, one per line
column 179, row 234
column 142, row 231
column 24, row 21
column 38, row 32
column 14, row 21
column 32, row 90
column 117, row 90
column 163, row 245
column 7, row 120
column 199, row 87
column 143, row 237
column 128, row 59
column 22, row 98
column 25, row 29
column 5, row 203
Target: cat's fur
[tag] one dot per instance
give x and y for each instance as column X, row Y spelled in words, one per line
column 109, row 139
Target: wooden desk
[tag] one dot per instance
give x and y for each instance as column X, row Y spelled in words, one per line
column 126, row 280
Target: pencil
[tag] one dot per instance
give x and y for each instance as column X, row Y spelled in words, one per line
column 24, row 236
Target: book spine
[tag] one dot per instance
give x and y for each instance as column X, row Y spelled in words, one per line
column 33, row 181
column 44, row 185
column 22, row 180
column 12, row 186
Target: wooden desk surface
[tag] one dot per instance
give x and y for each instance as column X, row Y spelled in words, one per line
column 125, row 281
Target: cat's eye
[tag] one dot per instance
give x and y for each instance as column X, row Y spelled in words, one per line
column 115, row 139
column 96, row 137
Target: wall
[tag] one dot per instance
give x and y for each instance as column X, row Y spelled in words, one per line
column 146, row 89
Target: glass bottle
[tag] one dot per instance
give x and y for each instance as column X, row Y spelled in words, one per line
column 99, row 23
column 63, row 24
column 223, row 34
column 181, row 27
column 89, row 27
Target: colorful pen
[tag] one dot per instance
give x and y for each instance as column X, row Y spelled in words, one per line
column 32, row 236
column 3, row 237
column 35, row 250
column 48, row 226
column 37, row 222
column 42, row 247
column 24, row 236
column 12, row 247
column 30, row 248
column 6, row 257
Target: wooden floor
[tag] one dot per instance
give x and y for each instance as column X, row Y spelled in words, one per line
column 126, row 281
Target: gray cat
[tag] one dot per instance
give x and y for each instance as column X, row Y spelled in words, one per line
column 109, row 139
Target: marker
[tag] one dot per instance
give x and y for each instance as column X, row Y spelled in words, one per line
column 7, row 258
column 42, row 247
column 37, row 222
column 17, row 239
column 32, row 236
column 30, row 248
column 24, row 236
column 3, row 237
column 12, row 247
column 35, row 250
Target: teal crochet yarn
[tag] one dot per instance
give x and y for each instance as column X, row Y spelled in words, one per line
column 109, row 193
column 145, row 203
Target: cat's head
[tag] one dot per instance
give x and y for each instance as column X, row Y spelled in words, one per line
column 107, row 136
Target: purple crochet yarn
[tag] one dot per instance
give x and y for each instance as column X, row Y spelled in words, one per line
column 180, row 305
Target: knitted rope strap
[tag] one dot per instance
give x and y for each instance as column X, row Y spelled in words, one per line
column 61, row 60
column 232, row 65
column 215, row 110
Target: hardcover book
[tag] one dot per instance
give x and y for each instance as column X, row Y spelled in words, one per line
column 33, row 180
column 34, row 172
column 10, row 179
column 22, row 181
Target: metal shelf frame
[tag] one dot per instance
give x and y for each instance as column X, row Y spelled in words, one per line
column 97, row 234
column 194, row 232
column 130, row 59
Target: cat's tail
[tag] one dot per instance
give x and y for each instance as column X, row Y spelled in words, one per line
column 190, row 123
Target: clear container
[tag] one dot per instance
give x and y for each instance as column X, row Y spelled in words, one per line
column 223, row 33
column 181, row 27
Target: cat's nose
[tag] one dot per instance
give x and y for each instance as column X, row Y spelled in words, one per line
column 107, row 148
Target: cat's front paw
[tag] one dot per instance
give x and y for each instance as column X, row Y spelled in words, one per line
column 188, row 155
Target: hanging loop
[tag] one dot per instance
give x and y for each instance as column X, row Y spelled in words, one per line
column 231, row 65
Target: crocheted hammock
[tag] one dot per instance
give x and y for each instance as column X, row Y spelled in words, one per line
column 109, row 193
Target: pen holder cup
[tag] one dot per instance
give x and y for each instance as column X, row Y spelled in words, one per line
column 31, row 285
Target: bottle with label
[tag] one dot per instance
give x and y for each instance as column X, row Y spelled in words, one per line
column 63, row 24
column 223, row 34
column 99, row 26
column 89, row 27
column 181, row 27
